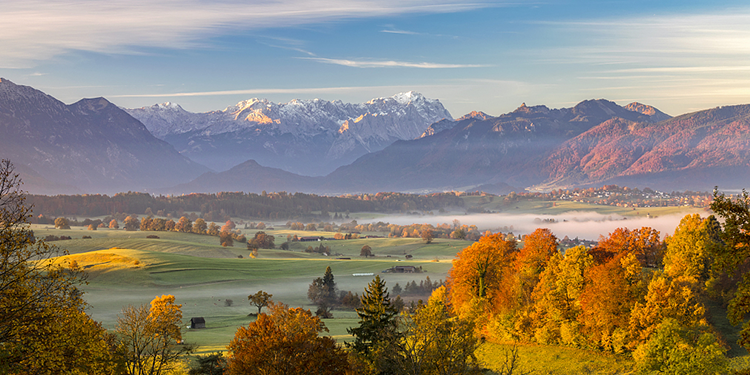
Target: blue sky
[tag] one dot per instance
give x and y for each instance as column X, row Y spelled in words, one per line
column 679, row 56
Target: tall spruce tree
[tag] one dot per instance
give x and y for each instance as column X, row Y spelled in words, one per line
column 377, row 334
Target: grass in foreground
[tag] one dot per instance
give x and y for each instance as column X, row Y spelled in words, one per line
column 542, row 359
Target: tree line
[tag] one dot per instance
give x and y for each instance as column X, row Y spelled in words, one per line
column 270, row 206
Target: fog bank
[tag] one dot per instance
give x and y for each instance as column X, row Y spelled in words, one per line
column 581, row 224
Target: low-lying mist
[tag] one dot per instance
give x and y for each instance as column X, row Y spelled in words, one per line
column 582, row 224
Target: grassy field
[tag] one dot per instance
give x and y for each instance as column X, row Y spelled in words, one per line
column 126, row 268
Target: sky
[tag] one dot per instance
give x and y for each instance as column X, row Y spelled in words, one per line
column 483, row 55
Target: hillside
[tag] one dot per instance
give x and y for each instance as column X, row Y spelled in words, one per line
column 695, row 151
column 88, row 146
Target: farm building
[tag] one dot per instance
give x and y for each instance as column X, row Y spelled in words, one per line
column 197, row 323
column 402, row 269
column 310, row 238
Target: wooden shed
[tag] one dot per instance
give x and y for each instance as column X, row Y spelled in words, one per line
column 197, row 323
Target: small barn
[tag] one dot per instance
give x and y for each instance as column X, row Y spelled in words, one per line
column 197, row 323
column 402, row 269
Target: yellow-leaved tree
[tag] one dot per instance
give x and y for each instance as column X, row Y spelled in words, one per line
column 149, row 337
column 44, row 328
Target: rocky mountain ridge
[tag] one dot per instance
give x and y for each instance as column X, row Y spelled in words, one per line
column 303, row 136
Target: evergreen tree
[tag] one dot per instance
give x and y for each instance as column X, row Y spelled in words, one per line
column 322, row 292
column 377, row 334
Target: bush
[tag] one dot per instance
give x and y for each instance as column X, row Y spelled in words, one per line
column 152, row 236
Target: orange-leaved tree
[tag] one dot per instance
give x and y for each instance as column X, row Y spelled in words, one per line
column 478, row 271
column 532, row 259
column 285, row 342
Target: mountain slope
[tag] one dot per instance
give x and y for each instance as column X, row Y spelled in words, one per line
column 477, row 149
column 311, row 137
column 91, row 145
column 693, row 151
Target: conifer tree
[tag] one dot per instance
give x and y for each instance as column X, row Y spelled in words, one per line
column 377, row 334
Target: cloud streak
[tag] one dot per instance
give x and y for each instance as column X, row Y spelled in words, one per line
column 34, row 30
column 390, row 64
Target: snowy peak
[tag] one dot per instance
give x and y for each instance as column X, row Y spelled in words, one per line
column 337, row 131
column 297, row 117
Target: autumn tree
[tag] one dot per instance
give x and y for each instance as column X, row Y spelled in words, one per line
column 478, row 271
column 285, row 342
column 376, row 337
column 644, row 243
column 225, row 239
column 44, row 329
column 113, row 224
column 610, row 292
column 689, row 250
column 261, row 240
column 557, row 295
column 213, row 229
column 366, row 251
column 676, row 349
column 62, row 223
column 435, row 341
column 148, row 336
column 530, row 262
column 260, row 299
column 200, row 226
column 130, row 223
column 228, row 226
column 427, row 236
column 184, row 225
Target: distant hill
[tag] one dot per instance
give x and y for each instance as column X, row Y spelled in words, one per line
column 89, row 146
column 248, row 177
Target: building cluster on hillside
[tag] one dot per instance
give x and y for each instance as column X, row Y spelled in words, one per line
column 613, row 195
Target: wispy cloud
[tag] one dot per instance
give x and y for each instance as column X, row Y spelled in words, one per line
column 391, row 29
column 391, row 64
column 33, row 30
column 394, row 31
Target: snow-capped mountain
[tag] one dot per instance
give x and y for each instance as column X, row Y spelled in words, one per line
column 311, row 137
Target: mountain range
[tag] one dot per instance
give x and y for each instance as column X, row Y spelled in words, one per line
column 310, row 137
column 402, row 143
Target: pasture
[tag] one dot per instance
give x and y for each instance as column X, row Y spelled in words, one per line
column 126, row 268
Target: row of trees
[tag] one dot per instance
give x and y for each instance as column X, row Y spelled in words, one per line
column 271, row 206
